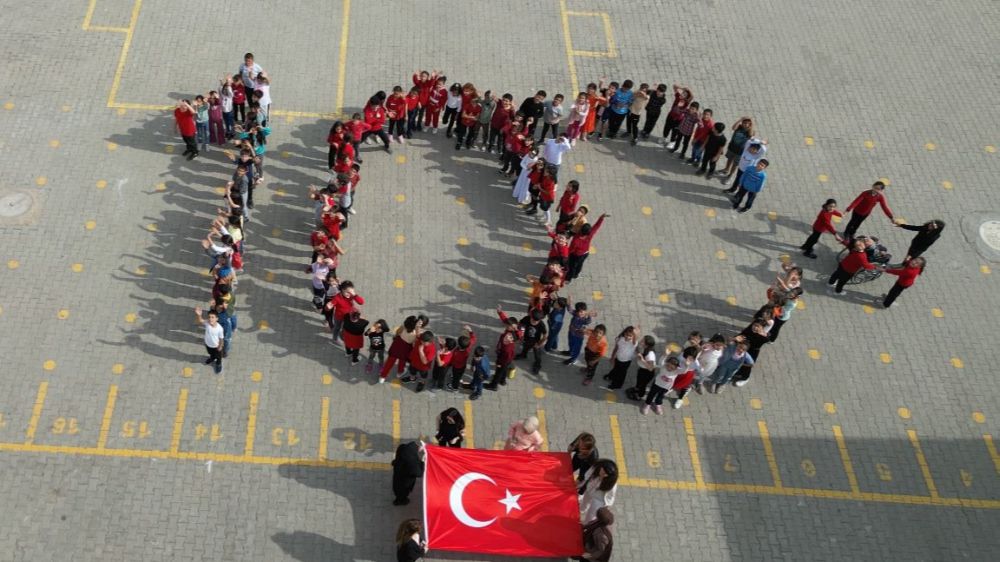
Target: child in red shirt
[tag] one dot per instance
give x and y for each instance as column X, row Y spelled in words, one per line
column 907, row 274
column 412, row 109
column 856, row 260
column 375, row 116
column 460, row 357
column 422, row 356
column 559, row 251
column 502, row 116
column 513, row 134
column 466, row 130
column 543, row 193
column 569, row 201
column 396, row 108
column 823, row 223
column 436, row 99
column 424, row 82
column 443, row 362
column 700, row 136
column 354, row 335
column 353, row 131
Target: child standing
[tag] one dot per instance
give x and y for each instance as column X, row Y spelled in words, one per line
column 907, row 274
column 422, row 358
column 597, row 345
column 395, row 106
column 480, row 370
column 682, row 98
column 578, row 322
column 753, row 152
column 466, row 130
column 452, row 106
column 551, row 116
column 622, row 356
column 533, row 110
column 578, row 115
column 555, row 323
column 412, row 112
column 460, row 358
column 487, row 104
column 709, row 357
column 706, row 126
column 376, row 344
column 646, row 358
column 375, row 120
column 424, row 82
column 579, row 247
column 201, row 121
column 216, row 124
column 354, row 335
column 751, row 183
column 443, row 362
column 743, row 131
column 823, row 223
column 662, row 384
column 692, row 371
column 619, row 104
column 682, row 134
column 653, row 109
column 733, row 357
column 436, row 100
column 714, row 144
column 502, row 117
column 505, row 356
column 635, row 112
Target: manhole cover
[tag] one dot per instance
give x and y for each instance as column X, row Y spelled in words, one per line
column 15, row 204
column 989, row 231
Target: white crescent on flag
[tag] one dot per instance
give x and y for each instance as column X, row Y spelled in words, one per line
column 455, row 499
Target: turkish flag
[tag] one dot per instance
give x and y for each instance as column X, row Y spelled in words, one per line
column 501, row 502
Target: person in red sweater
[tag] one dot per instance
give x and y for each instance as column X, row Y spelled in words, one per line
column 856, row 260
column 375, row 119
column 424, row 82
column 466, row 130
column 335, row 139
column 559, row 252
column 412, row 111
column 569, row 201
column 354, row 335
column 579, row 247
column 699, row 137
column 863, row 205
column 541, row 182
column 823, row 223
column 502, row 116
column 184, row 116
column 907, row 274
column 512, row 134
column 354, row 131
column 460, row 357
column 422, row 357
column 506, row 349
column 395, row 106
column 347, row 300
column 436, row 99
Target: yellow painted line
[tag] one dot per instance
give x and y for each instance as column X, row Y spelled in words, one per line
column 772, row 462
column 107, row 29
column 36, row 412
column 175, row 436
column 992, row 448
column 585, row 14
column 90, row 14
column 470, row 434
column 116, row 83
column 345, row 27
column 616, row 438
column 922, row 461
column 251, row 424
column 569, row 47
column 608, row 36
column 543, row 429
column 324, row 428
column 395, row 424
column 109, row 411
column 189, row 455
column 699, row 477
column 845, row 459
column 593, row 54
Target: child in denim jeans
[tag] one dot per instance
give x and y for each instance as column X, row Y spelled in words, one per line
column 480, row 370
column 201, row 122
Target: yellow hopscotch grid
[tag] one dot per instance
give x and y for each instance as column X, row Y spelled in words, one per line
column 129, row 32
column 320, row 460
column 571, row 52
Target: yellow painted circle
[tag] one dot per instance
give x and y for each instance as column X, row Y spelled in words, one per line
column 664, row 298
column 8, row 106
column 400, row 198
column 400, row 239
column 54, row 143
column 112, row 146
column 122, row 111
column 990, row 148
column 869, row 144
column 263, row 325
column 256, row 376
column 957, row 363
column 463, row 241
column 161, row 187
column 141, row 270
column 285, row 154
column 647, row 211
column 885, row 358
column 830, row 407
column 327, row 379
column 869, row 309
column 539, row 392
column 399, row 283
column 937, row 313
column 41, row 180
column 593, row 249
column 930, row 146
column 771, row 215
column 187, row 372
column 809, row 141
column 978, row 417
column 76, row 267
column 464, row 285
column 460, row 200
column 710, row 213
column 63, row 314
column 903, row 413
column 814, row 354
column 731, row 300
column 49, row 365
column 579, row 168
column 823, row 178
column 598, row 295
column 13, row 264
column 130, row 317
column 610, row 397
column 655, row 252
column 101, row 184
column 836, row 219
column 152, row 227
column 220, row 190
column 720, row 254
column 401, row 159
column 269, row 276
column 118, row 368
column 169, row 149
column 984, row 269
column 756, row 404
column 526, row 246
column 947, row 184
column 90, row 225
column 67, row 108
column 275, row 232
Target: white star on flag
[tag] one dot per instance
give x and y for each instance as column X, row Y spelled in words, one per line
column 510, row 502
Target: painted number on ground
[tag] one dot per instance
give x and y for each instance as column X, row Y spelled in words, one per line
column 66, row 426
column 133, row 428
column 357, row 441
column 3, row 422
column 808, row 468
column 283, row 436
column 653, row 459
column 732, row 464
column 201, row 431
column 966, row 478
column 883, row 472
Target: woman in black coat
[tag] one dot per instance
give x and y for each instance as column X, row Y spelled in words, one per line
column 927, row 234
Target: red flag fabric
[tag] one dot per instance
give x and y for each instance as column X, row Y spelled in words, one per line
column 511, row 503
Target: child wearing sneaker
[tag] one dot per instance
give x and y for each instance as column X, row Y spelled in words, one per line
column 422, row 358
column 661, row 385
column 709, row 357
column 376, row 345
column 460, row 358
column 480, row 370
column 823, row 223
column 733, row 357
column 594, row 351
column 646, row 359
column 682, row 384
column 443, row 361
column 354, row 335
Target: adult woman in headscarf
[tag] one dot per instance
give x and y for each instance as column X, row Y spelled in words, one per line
column 598, row 537
column 584, row 451
column 598, row 489
column 451, row 428
column 524, row 436
column 409, row 546
column 927, row 234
